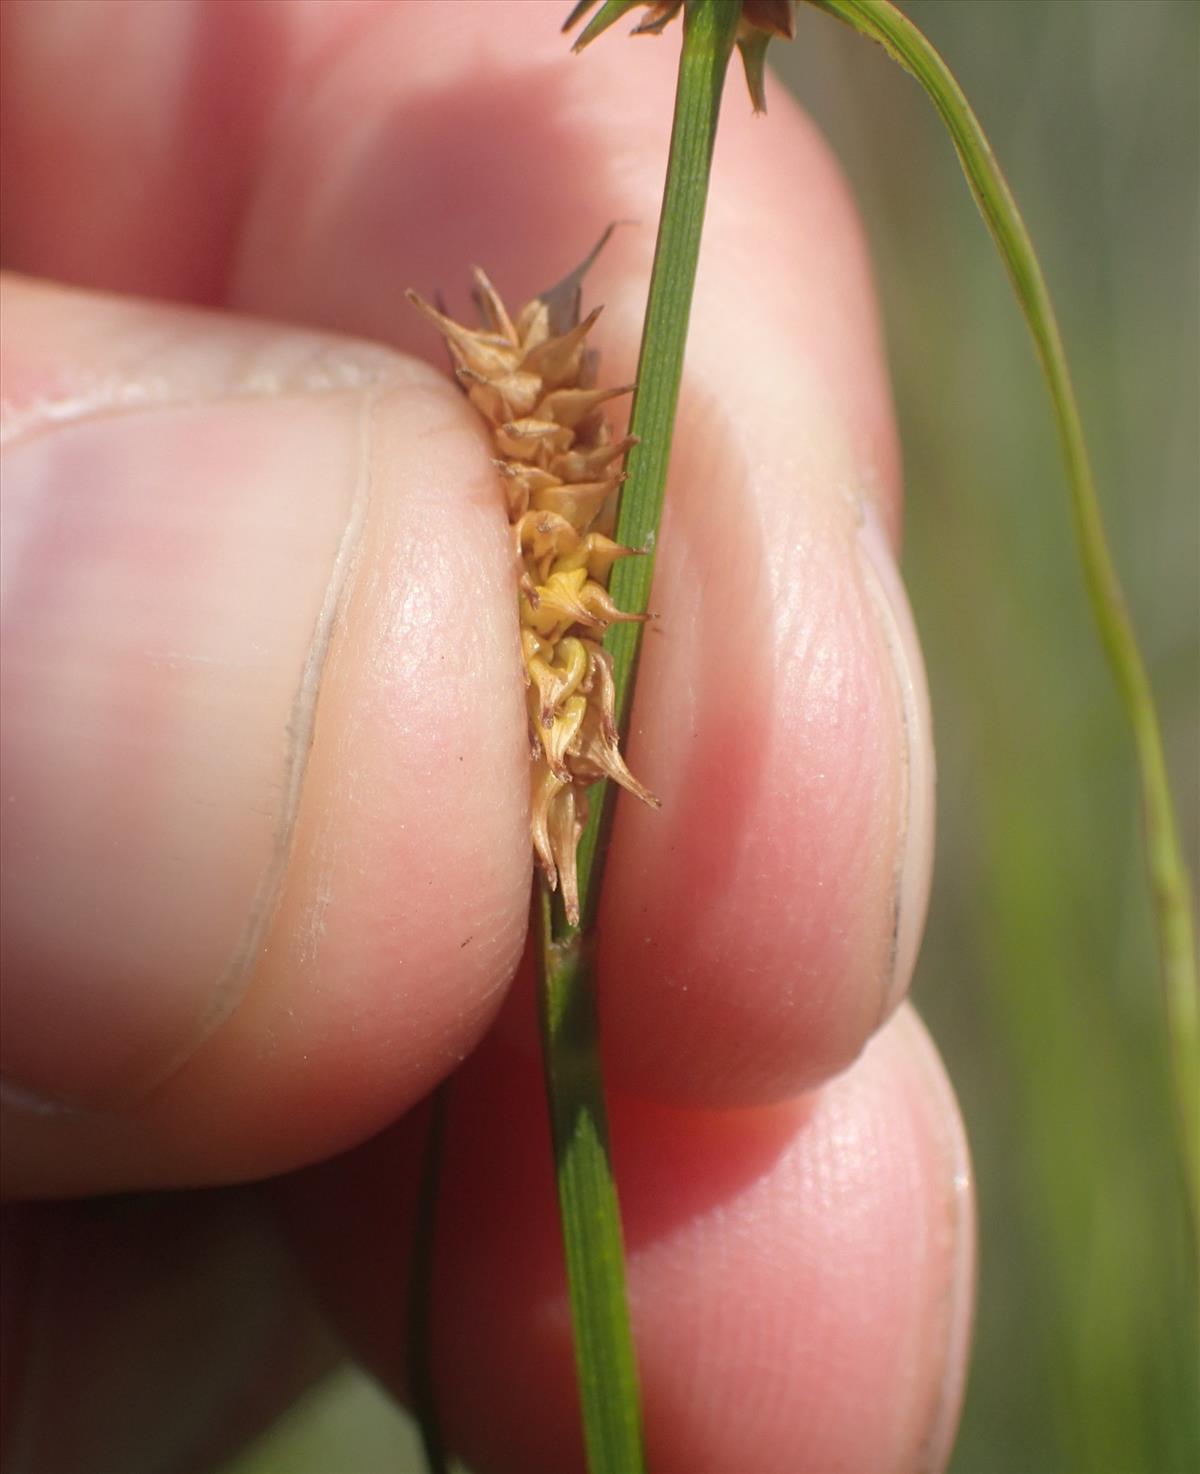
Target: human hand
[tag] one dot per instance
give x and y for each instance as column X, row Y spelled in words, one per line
column 266, row 854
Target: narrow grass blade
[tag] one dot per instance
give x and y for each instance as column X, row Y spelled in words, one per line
column 420, row 1288
column 610, row 12
column 1170, row 893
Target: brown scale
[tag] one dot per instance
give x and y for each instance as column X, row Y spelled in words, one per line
column 532, row 380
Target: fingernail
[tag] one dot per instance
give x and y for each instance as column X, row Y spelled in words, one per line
column 954, row 1312
column 914, row 853
column 170, row 580
column 960, row 1300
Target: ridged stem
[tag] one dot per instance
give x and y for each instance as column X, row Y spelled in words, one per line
column 588, row 1205
column 709, row 30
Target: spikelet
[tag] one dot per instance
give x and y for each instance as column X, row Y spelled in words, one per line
column 530, row 377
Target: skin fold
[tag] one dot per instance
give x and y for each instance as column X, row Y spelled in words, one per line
column 266, row 856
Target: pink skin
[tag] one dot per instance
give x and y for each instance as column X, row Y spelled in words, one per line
column 259, row 628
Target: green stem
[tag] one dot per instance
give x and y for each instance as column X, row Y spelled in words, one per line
column 588, row 1206
column 587, row 1201
column 1170, row 892
column 709, row 31
column 420, row 1280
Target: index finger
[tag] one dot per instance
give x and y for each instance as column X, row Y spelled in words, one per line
column 746, row 956
column 309, row 161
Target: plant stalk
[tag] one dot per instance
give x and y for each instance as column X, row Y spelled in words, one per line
column 710, row 28
column 588, row 1205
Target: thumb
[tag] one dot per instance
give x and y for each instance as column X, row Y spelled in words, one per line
column 262, row 737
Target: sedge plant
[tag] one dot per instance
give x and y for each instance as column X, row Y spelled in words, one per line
column 585, row 590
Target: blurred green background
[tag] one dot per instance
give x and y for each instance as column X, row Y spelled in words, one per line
column 1037, row 975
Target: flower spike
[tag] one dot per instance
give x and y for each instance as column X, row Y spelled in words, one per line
column 530, row 378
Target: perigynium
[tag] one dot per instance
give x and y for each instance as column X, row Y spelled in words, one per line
column 532, row 378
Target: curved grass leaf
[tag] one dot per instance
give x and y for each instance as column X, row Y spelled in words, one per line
column 881, row 21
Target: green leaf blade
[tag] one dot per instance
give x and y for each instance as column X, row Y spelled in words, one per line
column 1169, row 885
column 609, row 13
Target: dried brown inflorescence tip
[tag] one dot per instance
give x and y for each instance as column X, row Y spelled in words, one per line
column 531, row 378
column 758, row 22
